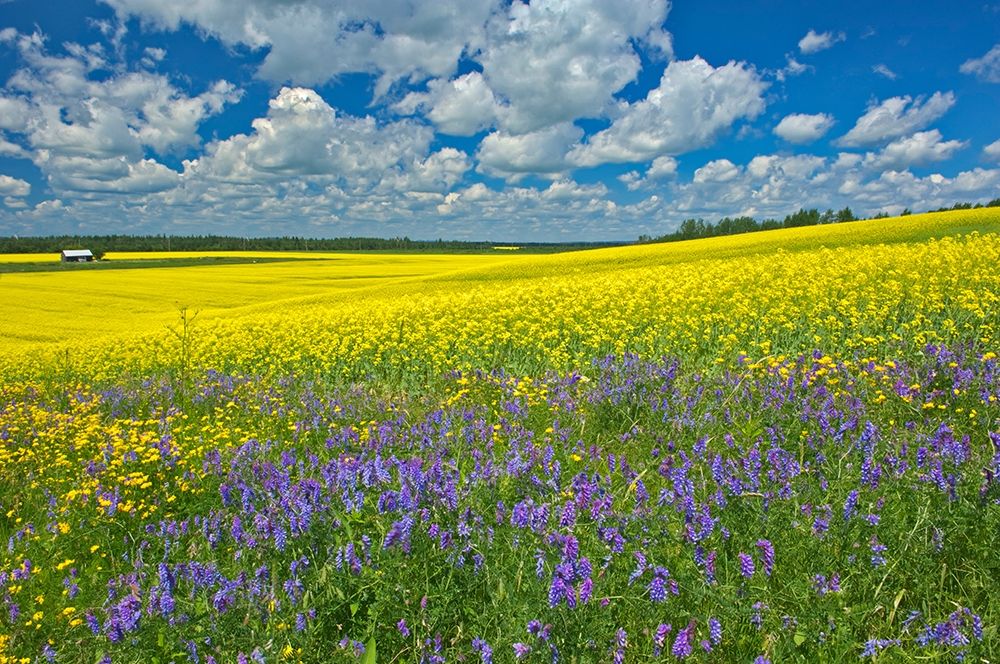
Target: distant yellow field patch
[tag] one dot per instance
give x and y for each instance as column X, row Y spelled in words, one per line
column 50, row 307
column 167, row 255
column 29, row 258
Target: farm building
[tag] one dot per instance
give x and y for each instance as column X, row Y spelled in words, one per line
column 76, row 256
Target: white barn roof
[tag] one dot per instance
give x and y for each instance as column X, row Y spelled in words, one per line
column 77, row 253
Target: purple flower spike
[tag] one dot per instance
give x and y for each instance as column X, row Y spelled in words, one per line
column 715, row 631
column 767, row 555
column 746, row 565
column 682, row 644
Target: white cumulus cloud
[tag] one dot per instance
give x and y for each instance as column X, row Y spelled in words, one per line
column 814, row 41
column 302, row 135
column 718, row 170
column 883, row 70
column 986, row 68
column 896, row 116
column 693, row 104
column 14, row 187
column 923, row 147
column 460, row 107
column 542, row 151
column 804, row 128
column 992, row 151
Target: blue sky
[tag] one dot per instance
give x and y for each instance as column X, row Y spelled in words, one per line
column 483, row 119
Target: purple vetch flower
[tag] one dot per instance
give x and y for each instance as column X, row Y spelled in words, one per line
column 682, row 644
column 403, row 629
column 660, row 638
column 850, row 504
column 761, row 660
column 715, row 630
column 621, row 642
column 586, row 588
column 300, row 622
column 757, row 619
column 568, row 517
column 658, row 585
column 521, row 650
column 913, row 615
column 878, row 549
column 873, row 646
column 49, row 653
column 484, row 650
column 746, row 565
column 767, row 555
column 640, row 567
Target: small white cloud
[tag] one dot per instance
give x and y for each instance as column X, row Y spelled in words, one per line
column 803, row 128
column 662, row 167
column 986, row 68
column 814, row 41
column 883, row 70
column 992, row 151
column 896, row 116
column 632, row 180
column 719, row 170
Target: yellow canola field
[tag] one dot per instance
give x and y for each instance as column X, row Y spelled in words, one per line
column 54, row 257
column 42, row 308
column 761, row 295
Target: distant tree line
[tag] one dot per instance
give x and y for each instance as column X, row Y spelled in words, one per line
column 101, row 244
column 691, row 229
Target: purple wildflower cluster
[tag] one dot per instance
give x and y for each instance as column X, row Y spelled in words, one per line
column 338, row 511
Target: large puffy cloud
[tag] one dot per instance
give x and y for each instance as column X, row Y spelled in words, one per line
column 303, row 135
column 312, row 41
column 542, row 151
column 460, row 107
column 91, row 132
column 986, row 68
column 896, row 116
column 814, row 41
column 111, row 176
column 804, row 128
column 553, row 61
column 543, row 64
column 693, row 104
column 923, row 147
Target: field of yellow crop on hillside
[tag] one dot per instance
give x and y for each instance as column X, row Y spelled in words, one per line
column 781, row 446
column 864, row 287
column 41, row 308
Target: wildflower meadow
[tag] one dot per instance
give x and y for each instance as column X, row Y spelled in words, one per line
column 779, row 447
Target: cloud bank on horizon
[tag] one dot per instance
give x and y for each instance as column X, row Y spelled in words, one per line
column 548, row 120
